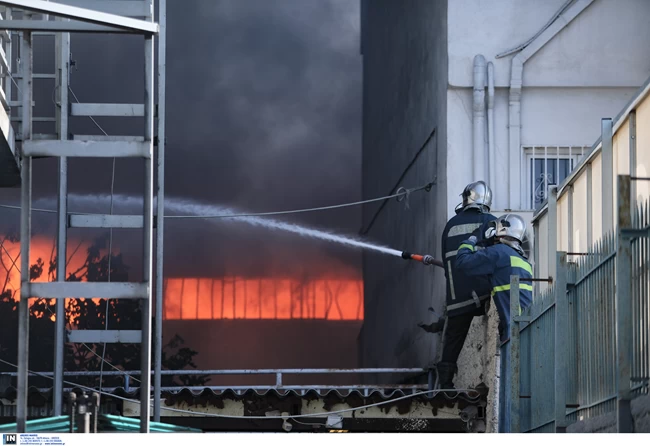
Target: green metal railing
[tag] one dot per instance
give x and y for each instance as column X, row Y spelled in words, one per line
column 582, row 349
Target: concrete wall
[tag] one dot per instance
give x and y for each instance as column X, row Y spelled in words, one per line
column 545, row 114
column 575, row 221
column 577, row 77
column 589, row 52
column 269, row 344
column 405, row 80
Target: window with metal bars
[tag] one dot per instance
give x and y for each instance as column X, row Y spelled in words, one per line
column 548, row 166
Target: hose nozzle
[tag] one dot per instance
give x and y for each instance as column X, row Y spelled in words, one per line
column 427, row 259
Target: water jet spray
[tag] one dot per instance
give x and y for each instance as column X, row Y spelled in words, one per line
column 190, row 209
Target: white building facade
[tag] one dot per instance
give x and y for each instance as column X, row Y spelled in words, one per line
column 515, row 90
column 581, row 61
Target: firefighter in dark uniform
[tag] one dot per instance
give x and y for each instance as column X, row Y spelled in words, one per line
column 505, row 258
column 466, row 295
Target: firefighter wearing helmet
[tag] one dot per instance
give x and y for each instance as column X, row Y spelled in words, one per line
column 466, row 293
column 505, row 258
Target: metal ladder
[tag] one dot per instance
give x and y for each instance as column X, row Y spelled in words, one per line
column 105, row 16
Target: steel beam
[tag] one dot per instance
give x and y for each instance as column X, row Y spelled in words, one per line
column 106, row 290
column 117, row 7
column 635, row 233
column 104, row 336
column 4, row 101
column 58, row 27
column 4, row 62
column 160, row 220
column 624, row 345
column 25, row 236
column 9, row 52
column 34, row 119
column 607, row 172
column 124, row 110
column 121, row 138
column 35, row 75
column 89, row 149
column 83, row 14
column 260, row 372
column 106, row 221
column 62, row 72
column 145, row 405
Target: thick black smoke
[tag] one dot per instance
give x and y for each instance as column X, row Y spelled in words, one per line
column 263, row 113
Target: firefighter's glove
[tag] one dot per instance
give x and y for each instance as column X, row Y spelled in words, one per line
column 472, row 240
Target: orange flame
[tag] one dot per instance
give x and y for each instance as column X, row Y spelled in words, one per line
column 212, row 298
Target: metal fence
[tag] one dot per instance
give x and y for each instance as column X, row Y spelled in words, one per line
column 537, row 356
column 582, row 349
column 591, row 380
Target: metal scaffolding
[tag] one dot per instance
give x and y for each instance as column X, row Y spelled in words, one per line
column 108, row 16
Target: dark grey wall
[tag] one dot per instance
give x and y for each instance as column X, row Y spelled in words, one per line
column 404, row 50
column 271, row 344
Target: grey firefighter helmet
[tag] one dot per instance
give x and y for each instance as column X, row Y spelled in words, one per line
column 511, row 226
column 477, row 195
column 510, row 229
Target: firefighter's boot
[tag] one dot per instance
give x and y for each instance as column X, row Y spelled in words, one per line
column 446, row 372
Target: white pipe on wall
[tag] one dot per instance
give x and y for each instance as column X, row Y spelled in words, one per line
column 491, row 152
column 516, row 191
column 478, row 119
column 514, row 133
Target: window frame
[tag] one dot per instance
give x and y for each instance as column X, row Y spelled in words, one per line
column 556, row 153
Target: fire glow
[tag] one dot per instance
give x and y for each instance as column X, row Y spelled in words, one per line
column 41, row 248
column 268, row 298
column 334, row 299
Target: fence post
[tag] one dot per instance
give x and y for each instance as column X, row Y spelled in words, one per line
column 561, row 338
column 633, row 157
column 513, row 388
column 607, row 172
column 624, row 421
column 552, row 229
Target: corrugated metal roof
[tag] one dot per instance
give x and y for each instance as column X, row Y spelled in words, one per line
column 38, row 396
column 440, row 412
column 40, row 399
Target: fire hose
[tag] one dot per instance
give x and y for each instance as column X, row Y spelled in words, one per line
column 425, row 259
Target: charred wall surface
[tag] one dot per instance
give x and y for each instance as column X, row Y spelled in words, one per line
column 404, row 104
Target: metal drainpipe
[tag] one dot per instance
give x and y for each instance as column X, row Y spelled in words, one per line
column 478, row 118
column 516, row 194
column 490, row 120
column 514, row 132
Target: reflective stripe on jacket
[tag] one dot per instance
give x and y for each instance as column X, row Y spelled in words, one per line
column 464, row 293
column 499, row 262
